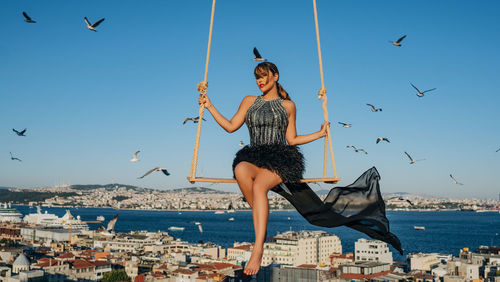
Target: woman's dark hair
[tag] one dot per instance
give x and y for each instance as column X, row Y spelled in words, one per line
column 263, row 69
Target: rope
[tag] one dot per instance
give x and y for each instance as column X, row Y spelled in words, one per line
column 202, row 88
column 322, row 95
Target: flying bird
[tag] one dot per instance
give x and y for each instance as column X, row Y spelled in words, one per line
column 398, row 42
column 258, row 57
column 412, row 161
column 13, row 158
column 242, row 144
column 345, row 125
column 153, row 170
column 94, row 25
column 373, row 108
column 352, row 146
column 455, row 181
column 421, row 93
column 195, row 119
column 362, row 150
column 27, row 18
column 134, row 157
column 497, row 150
column 111, row 224
column 199, row 226
column 19, row 133
column 383, row 139
column 401, row 199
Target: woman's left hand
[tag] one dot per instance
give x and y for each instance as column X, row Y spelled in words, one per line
column 324, row 127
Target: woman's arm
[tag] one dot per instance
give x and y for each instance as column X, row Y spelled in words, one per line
column 238, row 119
column 291, row 131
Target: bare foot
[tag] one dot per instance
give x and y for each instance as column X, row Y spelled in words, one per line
column 253, row 264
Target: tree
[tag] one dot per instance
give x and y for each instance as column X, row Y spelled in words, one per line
column 116, row 276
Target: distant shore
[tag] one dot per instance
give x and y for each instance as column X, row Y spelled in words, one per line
column 220, row 210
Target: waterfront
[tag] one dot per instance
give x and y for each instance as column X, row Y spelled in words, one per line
column 446, row 232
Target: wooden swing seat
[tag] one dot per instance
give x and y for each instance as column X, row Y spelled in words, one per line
column 232, row 180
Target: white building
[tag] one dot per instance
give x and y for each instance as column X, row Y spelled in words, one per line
column 372, row 250
column 423, row 261
column 293, row 248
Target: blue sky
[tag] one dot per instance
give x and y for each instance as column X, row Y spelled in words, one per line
column 91, row 99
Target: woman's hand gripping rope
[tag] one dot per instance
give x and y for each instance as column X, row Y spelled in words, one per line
column 203, row 98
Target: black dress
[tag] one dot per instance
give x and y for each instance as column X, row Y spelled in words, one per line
column 359, row 205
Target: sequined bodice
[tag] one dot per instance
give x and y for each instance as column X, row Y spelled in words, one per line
column 267, row 122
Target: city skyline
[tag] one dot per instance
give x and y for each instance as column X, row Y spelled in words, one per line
column 89, row 100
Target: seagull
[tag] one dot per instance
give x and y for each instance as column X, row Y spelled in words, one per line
column 362, row 150
column 13, row 158
column 93, row 26
column 345, row 125
column 111, row 224
column 199, row 226
column 258, row 57
column 398, row 43
column 134, row 157
column 242, row 144
column 27, row 18
column 412, row 161
column 164, row 170
column 383, row 139
column 195, row 119
column 421, row 93
column 19, row 133
column 373, row 108
column 401, row 199
column 351, row 146
column 455, row 181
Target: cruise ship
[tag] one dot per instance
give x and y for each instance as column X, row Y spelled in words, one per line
column 53, row 221
column 7, row 213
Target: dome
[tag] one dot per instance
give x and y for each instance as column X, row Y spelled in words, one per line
column 21, row 260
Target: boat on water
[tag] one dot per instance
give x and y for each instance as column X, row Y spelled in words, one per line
column 53, row 221
column 197, row 223
column 231, row 219
column 419, row 227
column 100, row 218
column 176, row 228
column 7, row 213
column 219, row 212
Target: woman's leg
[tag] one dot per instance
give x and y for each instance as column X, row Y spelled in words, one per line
column 264, row 181
column 245, row 174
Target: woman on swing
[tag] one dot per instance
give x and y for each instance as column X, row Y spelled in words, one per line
column 272, row 159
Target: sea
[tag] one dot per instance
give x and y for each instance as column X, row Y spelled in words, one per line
column 445, row 231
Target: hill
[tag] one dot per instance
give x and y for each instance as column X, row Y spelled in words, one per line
column 197, row 190
column 108, row 187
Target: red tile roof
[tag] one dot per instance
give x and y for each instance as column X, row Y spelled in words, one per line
column 243, row 247
column 140, row 278
column 79, row 263
column 362, row 276
column 158, row 274
column 311, row 266
column 66, row 256
column 184, row 271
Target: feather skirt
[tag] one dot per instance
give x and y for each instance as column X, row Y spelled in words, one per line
column 285, row 160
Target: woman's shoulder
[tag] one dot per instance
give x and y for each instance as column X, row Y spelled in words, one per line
column 288, row 104
column 249, row 99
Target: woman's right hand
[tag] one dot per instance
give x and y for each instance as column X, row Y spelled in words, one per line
column 203, row 99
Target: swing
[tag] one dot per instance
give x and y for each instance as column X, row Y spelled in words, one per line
column 202, row 88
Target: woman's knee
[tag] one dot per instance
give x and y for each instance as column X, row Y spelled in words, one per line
column 265, row 181
column 244, row 170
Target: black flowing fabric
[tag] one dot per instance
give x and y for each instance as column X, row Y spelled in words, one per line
column 359, row 206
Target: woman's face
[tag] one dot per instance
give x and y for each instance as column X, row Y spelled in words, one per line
column 267, row 81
